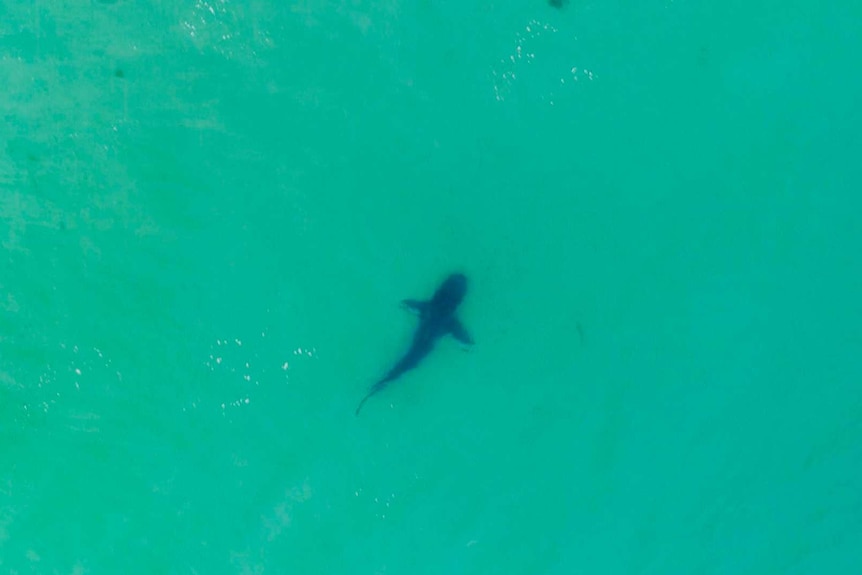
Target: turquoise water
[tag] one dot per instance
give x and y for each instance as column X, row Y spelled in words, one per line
column 209, row 211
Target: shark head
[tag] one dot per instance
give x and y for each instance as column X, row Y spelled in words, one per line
column 449, row 295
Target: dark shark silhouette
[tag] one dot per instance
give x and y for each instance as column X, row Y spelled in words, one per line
column 436, row 319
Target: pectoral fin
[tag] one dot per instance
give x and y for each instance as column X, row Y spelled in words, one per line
column 414, row 305
column 459, row 332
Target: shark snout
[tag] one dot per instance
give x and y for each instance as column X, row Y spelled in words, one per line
column 455, row 287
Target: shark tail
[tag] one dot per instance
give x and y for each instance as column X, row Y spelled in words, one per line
column 361, row 403
column 377, row 387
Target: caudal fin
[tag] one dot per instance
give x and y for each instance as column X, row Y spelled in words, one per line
column 361, row 403
column 377, row 387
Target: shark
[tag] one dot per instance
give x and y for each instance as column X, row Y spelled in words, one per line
column 437, row 319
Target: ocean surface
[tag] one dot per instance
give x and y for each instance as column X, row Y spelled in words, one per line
column 211, row 209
